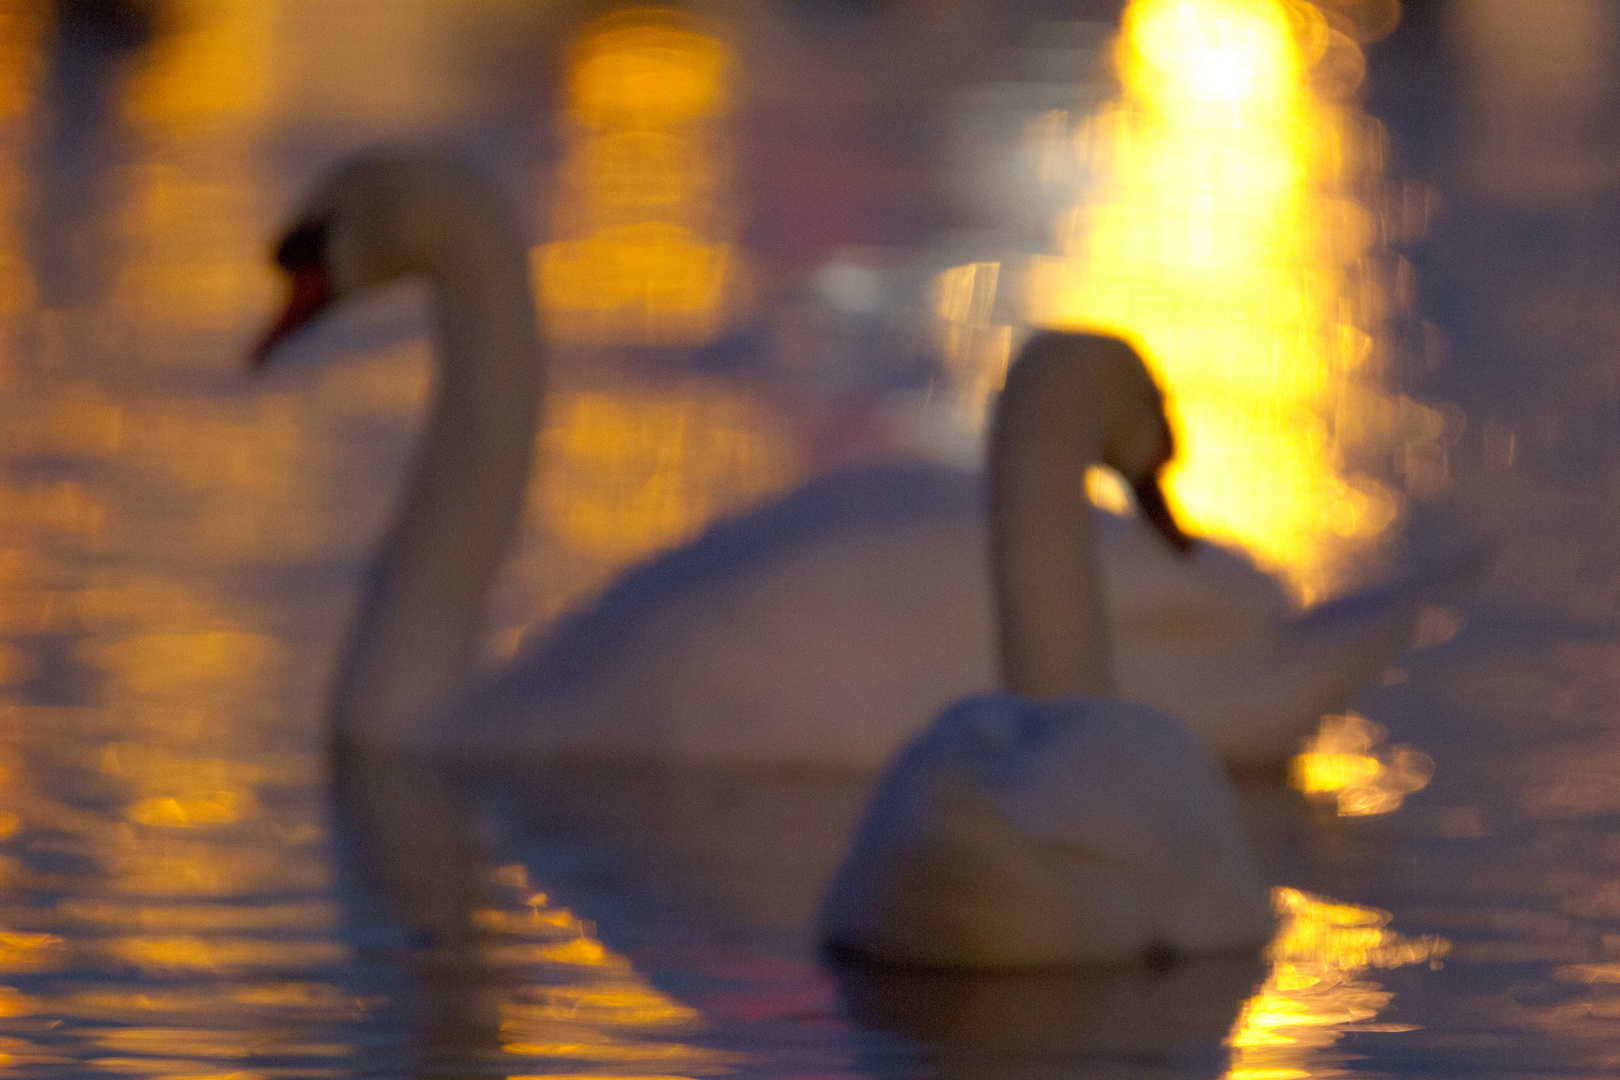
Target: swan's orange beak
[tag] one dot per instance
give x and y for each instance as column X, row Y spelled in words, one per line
column 1150, row 503
column 309, row 295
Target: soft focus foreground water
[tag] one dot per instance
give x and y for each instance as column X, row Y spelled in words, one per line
column 186, row 893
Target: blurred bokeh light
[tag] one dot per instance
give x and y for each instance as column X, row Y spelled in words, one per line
column 1317, row 986
column 1229, row 214
column 642, row 207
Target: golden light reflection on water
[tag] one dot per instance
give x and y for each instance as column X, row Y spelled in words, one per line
column 22, row 25
column 625, row 474
column 190, row 216
column 641, row 205
column 1314, row 991
column 175, row 663
column 25, row 952
column 196, row 261
column 199, row 917
column 605, row 1016
column 1224, row 232
column 22, row 28
column 212, row 66
column 1343, row 762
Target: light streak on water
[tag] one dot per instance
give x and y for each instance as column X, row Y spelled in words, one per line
column 1230, row 227
column 1342, row 762
column 640, row 205
column 975, row 348
column 630, row 473
column 606, row 1013
column 1316, row 987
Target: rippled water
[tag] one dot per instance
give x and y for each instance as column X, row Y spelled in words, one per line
column 191, row 889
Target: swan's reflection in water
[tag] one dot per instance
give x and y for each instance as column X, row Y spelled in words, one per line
column 1239, row 1017
column 1133, row 1022
column 493, row 973
column 408, row 838
column 712, row 853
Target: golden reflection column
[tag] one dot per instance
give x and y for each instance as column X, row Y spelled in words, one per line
column 1225, row 234
column 642, row 203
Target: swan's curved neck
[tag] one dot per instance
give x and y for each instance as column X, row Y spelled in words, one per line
column 413, row 642
column 1049, row 598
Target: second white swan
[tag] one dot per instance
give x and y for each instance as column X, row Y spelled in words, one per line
column 1053, row 825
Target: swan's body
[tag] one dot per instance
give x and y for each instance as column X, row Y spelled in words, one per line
column 823, row 630
column 1016, row 833
column 828, row 627
column 1052, row 824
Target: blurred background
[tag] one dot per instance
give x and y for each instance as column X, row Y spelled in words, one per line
column 1371, row 249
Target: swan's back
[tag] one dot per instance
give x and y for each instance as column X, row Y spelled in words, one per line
column 1021, row 834
column 845, row 511
column 827, row 628
column 819, row 631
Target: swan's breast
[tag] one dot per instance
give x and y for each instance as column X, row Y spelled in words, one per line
column 1014, row 833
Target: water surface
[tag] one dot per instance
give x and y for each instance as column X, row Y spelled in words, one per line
column 192, row 889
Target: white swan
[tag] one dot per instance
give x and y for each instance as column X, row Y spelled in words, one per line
column 1052, row 825
column 379, row 219
column 824, row 629
column 853, row 609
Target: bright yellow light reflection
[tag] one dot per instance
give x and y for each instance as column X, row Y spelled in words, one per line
column 183, row 791
column 220, row 954
column 640, row 207
column 22, row 26
column 630, row 473
column 28, row 952
column 602, row 1012
column 1343, row 762
column 211, row 66
column 1227, row 61
column 1222, row 233
column 1313, row 990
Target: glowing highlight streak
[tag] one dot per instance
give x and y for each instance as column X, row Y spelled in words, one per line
column 640, row 205
column 627, row 474
column 588, row 1021
column 1222, row 234
column 1342, row 763
column 1313, row 988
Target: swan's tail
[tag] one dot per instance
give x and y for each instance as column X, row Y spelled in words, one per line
column 1445, row 579
column 1258, row 700
column 1339, row 648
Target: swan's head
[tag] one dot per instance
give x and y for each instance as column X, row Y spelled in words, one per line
column 372, row 221
column 1063, row 381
